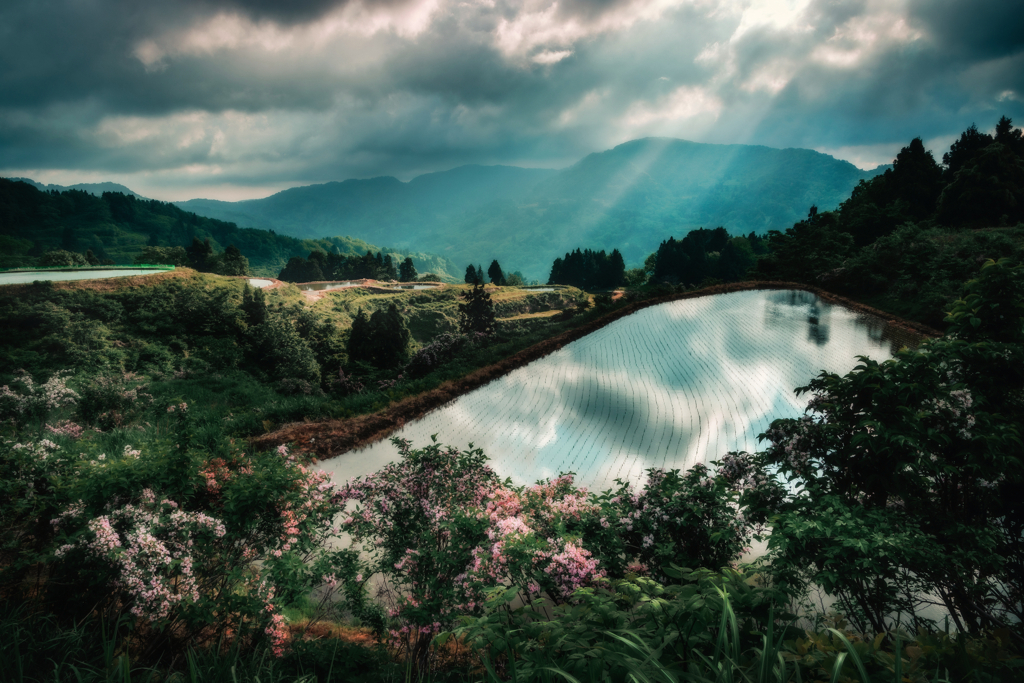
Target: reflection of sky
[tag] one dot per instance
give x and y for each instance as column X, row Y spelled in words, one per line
column 27, row 276
column 668, row 386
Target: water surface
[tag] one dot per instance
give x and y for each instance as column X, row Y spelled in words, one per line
column 321, row 286
column 668, row 386
column 26, row 276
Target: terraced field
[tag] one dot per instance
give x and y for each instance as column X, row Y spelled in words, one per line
column 668, row 386
column 21, row 277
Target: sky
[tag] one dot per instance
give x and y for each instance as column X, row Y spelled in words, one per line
column 236, row 99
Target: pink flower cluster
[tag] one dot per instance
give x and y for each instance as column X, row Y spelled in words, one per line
column 150, row 546
column 66, row 428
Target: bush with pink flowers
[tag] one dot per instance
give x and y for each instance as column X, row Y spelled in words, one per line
column 189, row 547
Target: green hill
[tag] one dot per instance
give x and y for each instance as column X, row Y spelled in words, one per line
column 116, row 227
column 631, row 198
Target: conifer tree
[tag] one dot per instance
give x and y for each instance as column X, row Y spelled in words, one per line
column 494, row 272
column 477, row 313
column 360, row 345
column 471, row 278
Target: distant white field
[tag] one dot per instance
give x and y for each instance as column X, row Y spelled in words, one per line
column 26, row 276
column 668, row 386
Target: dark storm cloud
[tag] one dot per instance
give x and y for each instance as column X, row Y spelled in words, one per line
column 980, row 28
column 263, row 92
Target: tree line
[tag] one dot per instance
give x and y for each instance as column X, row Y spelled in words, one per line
column 912, row 235
column 119, row 228
column 320, row 266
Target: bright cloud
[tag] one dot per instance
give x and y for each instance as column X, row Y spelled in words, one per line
column 202, row 94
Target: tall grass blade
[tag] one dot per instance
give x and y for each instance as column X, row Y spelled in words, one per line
column 490, row 669
column 854, row 656
column 837, row 668
column 564, row 674
column 898, row 663
column 649, row 656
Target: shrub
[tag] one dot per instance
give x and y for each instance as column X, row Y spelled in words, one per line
column 114, row 400
column 188, row 547
column 60, row 258
column 439, row 351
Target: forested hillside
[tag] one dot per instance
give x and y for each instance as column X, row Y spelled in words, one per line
column 908, row 239
column 628, row 198
column 117, row 227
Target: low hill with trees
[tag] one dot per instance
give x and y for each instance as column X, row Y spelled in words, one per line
column 120, row 228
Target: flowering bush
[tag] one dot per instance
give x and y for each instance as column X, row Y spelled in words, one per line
column 151, row 548
column 189, row 546
column 413, row 522
column 692, row 519
column 66, row 428
column 441, row 529
column 28, row 400
column 533, row 542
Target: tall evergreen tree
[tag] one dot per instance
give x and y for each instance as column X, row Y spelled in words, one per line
column 971, row 142
column 477, row 313
column 407, row 271
column 494, row 272
column 231, row 262
column 1009, row 136
column 615, row 272
column 360, row 345
column 390, row 272
column 480, row 274
column 199, row 254
column 471, row 278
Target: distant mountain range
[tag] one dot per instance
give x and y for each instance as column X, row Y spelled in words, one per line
column 631, row 197
column 92, row 188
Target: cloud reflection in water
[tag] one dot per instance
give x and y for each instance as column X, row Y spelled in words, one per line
column 668, row 386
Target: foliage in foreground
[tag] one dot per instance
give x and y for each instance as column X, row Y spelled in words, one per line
column 898, row 485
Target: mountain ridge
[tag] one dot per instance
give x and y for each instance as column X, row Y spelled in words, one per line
column 631, row 197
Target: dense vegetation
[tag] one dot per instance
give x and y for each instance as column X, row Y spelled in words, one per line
column 139, row 534
column 589, row 270
column 118, row 228
column 143, row 539
column 906, row 240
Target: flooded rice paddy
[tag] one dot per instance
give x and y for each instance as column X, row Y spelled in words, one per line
column 322, row 286
column 26, row 276
column 400, row 288
column 259, row 282
column 344, row 284
column 668, row 386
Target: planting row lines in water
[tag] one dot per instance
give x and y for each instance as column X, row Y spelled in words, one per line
column 668, row 386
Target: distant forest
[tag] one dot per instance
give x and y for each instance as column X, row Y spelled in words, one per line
column 905, row 240
column 118, row 228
